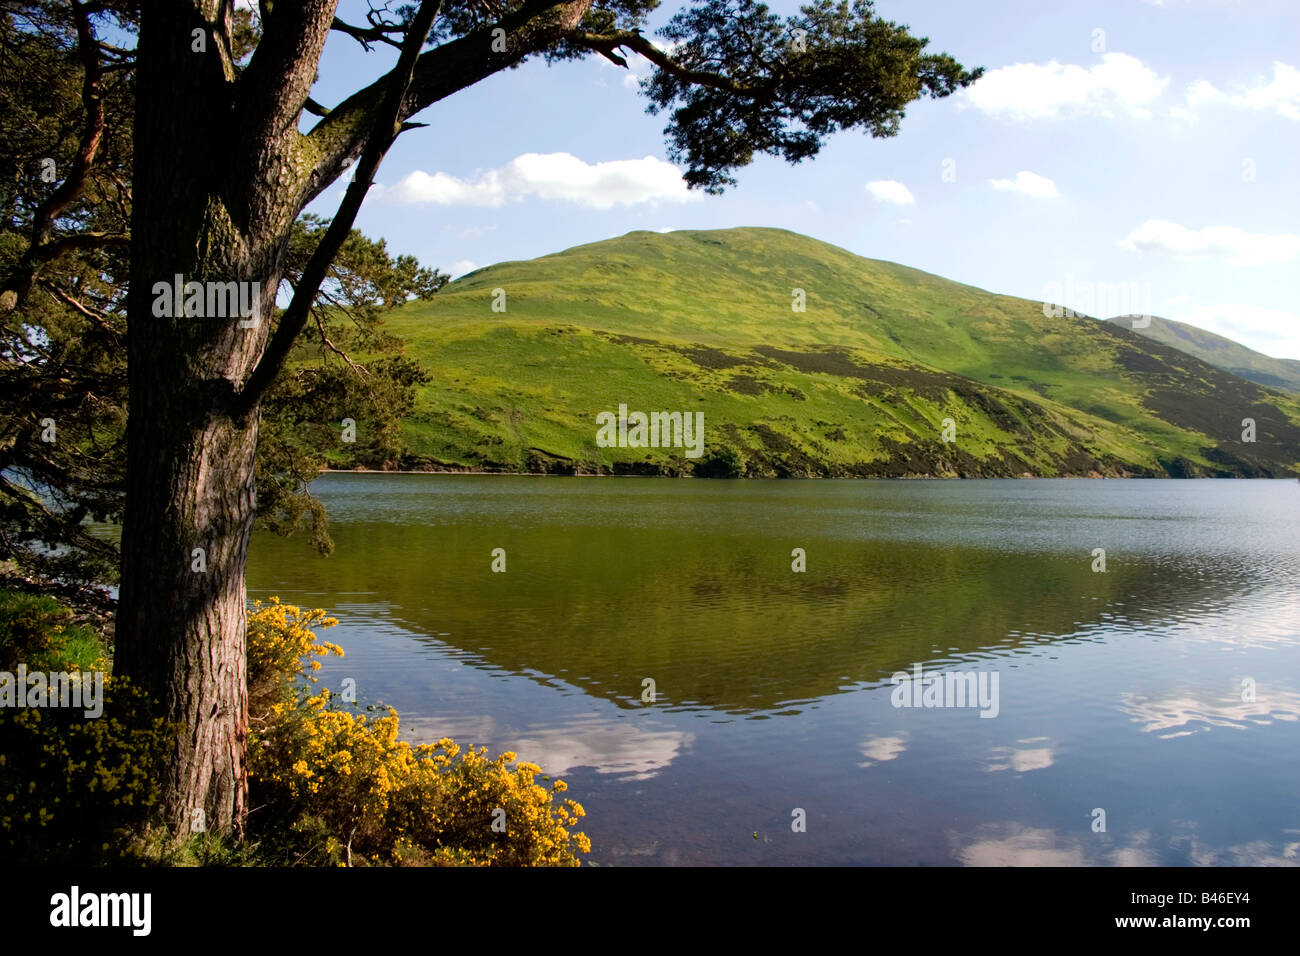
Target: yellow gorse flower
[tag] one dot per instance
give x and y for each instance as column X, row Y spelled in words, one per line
column 376, row 798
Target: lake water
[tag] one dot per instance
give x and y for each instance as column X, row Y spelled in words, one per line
column 1164, row 691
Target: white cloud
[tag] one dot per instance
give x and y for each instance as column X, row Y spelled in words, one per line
column 419, row 187
column 1025, row 91
column 889, row 190
column 1281, row 94
column 1014, row 844
column 1238, row 247
column 1031, row 184
column 1030, row 753
column 460, row 268
column 879, row 749
column 1186, row 712
column 553, row 176
column 606, row 745
column 1202, row 92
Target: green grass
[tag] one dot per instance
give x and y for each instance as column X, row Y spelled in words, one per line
column 858, row 384
column 38, row 631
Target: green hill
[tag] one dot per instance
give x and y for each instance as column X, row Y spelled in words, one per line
column 1223, row 352
column 858, row 384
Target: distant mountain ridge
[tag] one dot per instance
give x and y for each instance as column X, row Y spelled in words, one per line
column 1221, row 351
column 881, row 365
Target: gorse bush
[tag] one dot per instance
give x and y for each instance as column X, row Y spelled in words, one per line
column 71, row 787
column 328, row 785
column 281, row 649
column 333, row 786
column 74, row 789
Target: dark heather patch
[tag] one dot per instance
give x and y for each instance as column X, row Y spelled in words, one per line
column 1218, row 416
column 620, row 339
column 642, row 468
column 931, row 457
column 829, row 362
column 1179, row 467
column 1192, row 394
column 1137, row 360
column 787, row 460
column 539, row 462
column 706, row 357
column 994, row 410
column 773, row 440
column 746, row 385
column 1238, row 462
column 879, row 380
column 922, row 385
column 733, row 436
column 1079, row 461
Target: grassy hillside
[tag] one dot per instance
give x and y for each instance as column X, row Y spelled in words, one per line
column 1223, row 352
column 858, row 384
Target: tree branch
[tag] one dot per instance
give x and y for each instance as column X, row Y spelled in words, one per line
column 385, row 129
column 42, row 248
column 92, row 133
column 606, row 43
column 94, row 316
column 329, row 344
column 366, row 36
column 440, row 72
column 81, row 240
column 274, row 86
column 314, row 108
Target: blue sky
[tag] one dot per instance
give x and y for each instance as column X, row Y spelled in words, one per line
column 1139, row 150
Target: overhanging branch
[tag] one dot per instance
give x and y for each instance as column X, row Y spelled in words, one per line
column 453, row 66
column 383, row 132
column 607, row 43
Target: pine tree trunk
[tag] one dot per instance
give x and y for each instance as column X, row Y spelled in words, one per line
column 182, row 609
column 190, row 505
column 215, row 195
column 221, row 173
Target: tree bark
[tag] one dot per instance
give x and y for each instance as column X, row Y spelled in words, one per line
column 181, row 629
column 217, row 187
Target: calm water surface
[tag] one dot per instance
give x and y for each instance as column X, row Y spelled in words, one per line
column 1127, row 691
